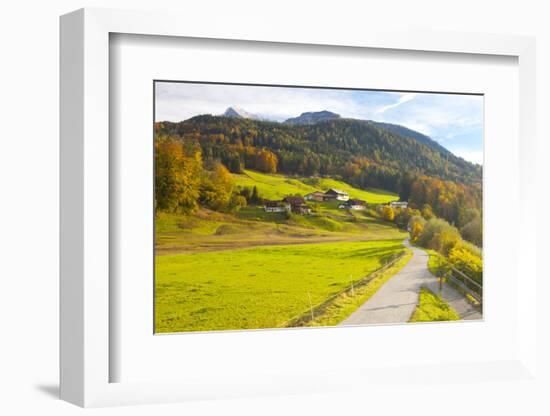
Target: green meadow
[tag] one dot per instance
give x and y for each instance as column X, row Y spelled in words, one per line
column 273, row 186
column 258, row 287
column 252, row 226
column 249, row 269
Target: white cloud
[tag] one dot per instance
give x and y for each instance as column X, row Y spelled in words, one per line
column 405, row 98
column 179, row 101
column 453, row 120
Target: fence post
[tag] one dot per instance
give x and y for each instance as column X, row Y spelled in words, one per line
column 310, row 306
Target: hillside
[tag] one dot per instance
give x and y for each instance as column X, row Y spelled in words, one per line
column 272, row 186
column 363, row 153
column 406, row 132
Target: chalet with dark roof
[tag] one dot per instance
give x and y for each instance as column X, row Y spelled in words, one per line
column 336, row 194
column 315, row 196
column 399, row 204
column 276, row 206
column 297, row 204
column 354, row 204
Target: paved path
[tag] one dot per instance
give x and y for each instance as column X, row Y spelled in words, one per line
column 396, row 300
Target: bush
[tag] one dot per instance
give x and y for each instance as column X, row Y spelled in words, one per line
column 439, row 235
column 403, row 216
column 464, row 259
column 237, row 202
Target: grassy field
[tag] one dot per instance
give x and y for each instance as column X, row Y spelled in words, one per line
column 272, row 186
column 251, row 269
column 347, row 302
column 258, row 287
column 252, row 226
column 208, row 230
column 432, row 308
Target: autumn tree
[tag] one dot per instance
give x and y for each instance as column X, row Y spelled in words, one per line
column 237, row 201
column 439, row 235
column 403, row 216
column 388, row 213
column 427, row 212
column 467, row 215
column 416, row 226
column 177, row 175
column 266, row 161
column 473, row 231
column 216, row 188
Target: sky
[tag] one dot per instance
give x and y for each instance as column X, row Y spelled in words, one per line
column 454, row 121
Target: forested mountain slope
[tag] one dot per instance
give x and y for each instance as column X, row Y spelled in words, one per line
column 381, row 153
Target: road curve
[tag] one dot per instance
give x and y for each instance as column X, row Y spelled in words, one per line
column 396, row 300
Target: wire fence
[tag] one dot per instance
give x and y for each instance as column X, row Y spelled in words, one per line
column 463, row 282
column 317, row 310
column 467, row 284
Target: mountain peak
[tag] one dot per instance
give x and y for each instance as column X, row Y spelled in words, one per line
column 313, row 117
column 237, row 112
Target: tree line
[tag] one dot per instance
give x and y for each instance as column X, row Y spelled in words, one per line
column 459, row 245
column 183, row 182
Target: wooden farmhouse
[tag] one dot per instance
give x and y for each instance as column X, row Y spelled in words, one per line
column 336, row 194
column 276, row 206
column 315, row 196
column 399, row 204
column 297, row 204
column 354, row 204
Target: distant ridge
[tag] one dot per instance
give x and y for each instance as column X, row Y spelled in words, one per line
column 412, row 134
column 313, row 117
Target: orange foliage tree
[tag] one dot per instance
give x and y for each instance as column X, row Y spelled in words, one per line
column 177, row 175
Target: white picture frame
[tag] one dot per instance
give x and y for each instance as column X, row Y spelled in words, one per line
column 86, row 356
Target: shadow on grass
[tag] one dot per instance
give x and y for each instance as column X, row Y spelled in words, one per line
column 384, row 253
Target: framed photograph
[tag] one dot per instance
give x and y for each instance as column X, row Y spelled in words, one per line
column 242, row 215
column 270, row 219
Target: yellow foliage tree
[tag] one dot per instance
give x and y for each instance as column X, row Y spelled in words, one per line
column 416, row 230
column 216, row 188
column 177, row 175
column 388, row 213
